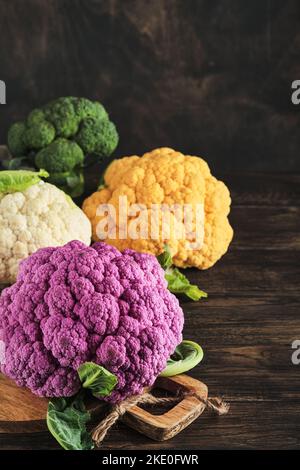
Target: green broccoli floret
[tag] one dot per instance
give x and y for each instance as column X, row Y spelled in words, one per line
column 36, row 116
column 60, row 156
column 97, row 136
column 15, row 139
column 61, row 134
column 39, row 135
column 85, row 108
column 61, row 114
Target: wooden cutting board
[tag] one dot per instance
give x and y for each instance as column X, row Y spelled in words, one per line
column 23, row 412
column 20, row 410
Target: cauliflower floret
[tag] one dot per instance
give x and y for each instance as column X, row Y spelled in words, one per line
column 40, row 216
column 165, row 176
column 74, row 304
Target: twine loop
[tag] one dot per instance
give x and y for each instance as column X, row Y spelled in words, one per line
column 213, row 404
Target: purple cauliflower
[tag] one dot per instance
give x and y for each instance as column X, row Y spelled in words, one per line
column 73, row 304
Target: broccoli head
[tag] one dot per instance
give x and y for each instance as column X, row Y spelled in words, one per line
column 59, row 156
column 60, row 135
column 97, row 136
column 16, row 143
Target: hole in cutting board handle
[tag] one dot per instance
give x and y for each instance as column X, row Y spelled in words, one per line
column 167, row 425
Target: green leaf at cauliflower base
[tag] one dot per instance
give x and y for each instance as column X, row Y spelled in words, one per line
column 165, row 258
column 185, row 357
column 96, row 378
column 12, row 181
column 178, row 283
column 66, row 420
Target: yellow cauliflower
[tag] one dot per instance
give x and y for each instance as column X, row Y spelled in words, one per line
column 165, row 176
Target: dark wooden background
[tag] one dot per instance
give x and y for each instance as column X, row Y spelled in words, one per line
column 209, row 77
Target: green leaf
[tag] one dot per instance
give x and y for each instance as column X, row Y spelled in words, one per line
column 67, row 417
column 12, row 181
column 186, row 356
column 96, row 378
column 66, row 420
column 71, row 182
column 178, row 283
column 165, row 258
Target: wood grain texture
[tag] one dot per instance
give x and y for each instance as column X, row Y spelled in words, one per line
column 19, row 405
column 171, row 422
column 205, row 77
column 246, row 328
column 21, row 411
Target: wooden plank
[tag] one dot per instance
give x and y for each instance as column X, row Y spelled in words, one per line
column 264, row 189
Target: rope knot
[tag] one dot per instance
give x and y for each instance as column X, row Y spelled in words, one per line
column 215, row 404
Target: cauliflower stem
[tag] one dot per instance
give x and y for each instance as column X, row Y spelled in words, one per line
column 185, row 357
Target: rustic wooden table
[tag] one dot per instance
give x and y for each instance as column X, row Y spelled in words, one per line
column 246, row 328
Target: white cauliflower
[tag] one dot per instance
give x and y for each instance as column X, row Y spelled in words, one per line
column 39, row 216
